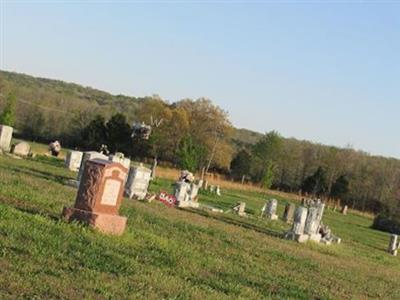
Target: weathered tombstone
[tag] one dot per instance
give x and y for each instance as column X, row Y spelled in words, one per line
column 138, row 182
column 300, row 217
column 218, row 191
column 212, row 188
column 99, row 197
column 240, row 209
column 120, row 158
column 312, row 225
column 90, row 155
column 289, row 213
column 320, row 212
column 5, row 137
column 182, row 193
column 269, row 210
column 200, row 183
column 344, row 210
column 73, row 160
column 393, row 247
column 194, row 190
column 21, row 149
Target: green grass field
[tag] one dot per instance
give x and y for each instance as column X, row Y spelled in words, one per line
column 168, row 253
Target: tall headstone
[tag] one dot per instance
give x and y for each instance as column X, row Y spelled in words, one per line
column 288, row 215
column 5, row 137
column 138, row 182
column 344, row 210
column 186, row 194
column 90, row 155
column 73, row 160
column 99, row 197
column 270, row 210
column 299, row 223
column 312, row 224
column 393, row 244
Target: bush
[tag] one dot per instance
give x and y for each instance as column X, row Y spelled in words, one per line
column 387, row 222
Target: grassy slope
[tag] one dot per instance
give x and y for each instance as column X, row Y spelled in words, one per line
column 175, row 254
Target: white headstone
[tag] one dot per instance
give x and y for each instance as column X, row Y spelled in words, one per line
column 393, row 247
column 120, row 158
column 138, row 182
column 5, row 137
column 73, row 160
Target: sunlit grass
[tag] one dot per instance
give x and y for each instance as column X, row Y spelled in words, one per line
column 176, row 254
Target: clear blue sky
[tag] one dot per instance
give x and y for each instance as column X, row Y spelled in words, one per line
column 326, row 72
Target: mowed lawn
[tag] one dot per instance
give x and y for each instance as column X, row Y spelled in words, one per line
column 169, row 253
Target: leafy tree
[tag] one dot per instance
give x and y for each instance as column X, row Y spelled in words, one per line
column 241, row 164
column 266, row 155
column 95, row 134
column 8, row 115
column 268, row 177
column 118, row 133
column 190, row 154
column 340, row 187
column 316, row 183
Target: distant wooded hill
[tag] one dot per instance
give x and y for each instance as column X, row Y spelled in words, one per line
column 65, row 100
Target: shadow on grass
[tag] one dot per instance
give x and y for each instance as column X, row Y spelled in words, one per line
column 52, row 161
column 23, row 206
column 226, row 219
column 42, row 174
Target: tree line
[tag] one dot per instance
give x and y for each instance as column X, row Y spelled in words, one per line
column 195, row 135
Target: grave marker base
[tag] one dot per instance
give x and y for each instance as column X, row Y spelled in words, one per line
column 106, row 223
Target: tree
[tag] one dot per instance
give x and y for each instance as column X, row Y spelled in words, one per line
column 190, row 154
column 266, row 154
column 340, row 187
column 118, row 134
column 241, row 164
column 315, row 184
column 210, row 127
column 8, row 115
column 95, row 134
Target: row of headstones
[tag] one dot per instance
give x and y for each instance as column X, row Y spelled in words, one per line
column 307, row 221
column 269, row 210
column 307, row 225
column 138, row 178
column 215, row 189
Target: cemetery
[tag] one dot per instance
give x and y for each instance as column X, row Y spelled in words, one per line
column 78, row 222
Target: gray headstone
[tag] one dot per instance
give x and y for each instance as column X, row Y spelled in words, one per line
column 270, row 209
column 5, row 137
column 73, row 160
column 393, row 246
column 288, row 215
column 138, row 182
column 299, row 222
